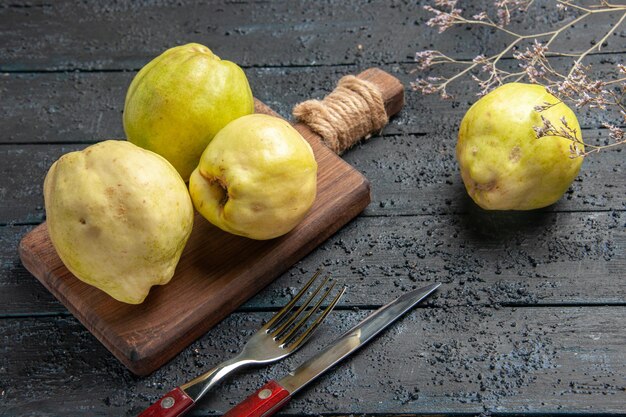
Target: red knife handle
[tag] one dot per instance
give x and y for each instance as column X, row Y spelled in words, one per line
column 173, row 404
column 265, row 402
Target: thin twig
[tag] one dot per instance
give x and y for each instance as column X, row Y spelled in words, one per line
column 575, row 85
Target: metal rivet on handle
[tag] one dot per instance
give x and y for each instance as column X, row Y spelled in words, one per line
column 265, row 393
column 167, row 402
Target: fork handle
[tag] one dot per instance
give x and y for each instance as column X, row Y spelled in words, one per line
column 173, row 404
column 266, row 401
column 180, row 400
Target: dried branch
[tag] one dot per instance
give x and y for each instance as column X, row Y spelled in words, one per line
column 575, row 85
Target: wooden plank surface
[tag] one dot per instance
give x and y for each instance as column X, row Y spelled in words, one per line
column 83, row 107
column 511, row 259
column 547, row 272
column 414, row 162
column 65, row 35
column 457, row 361
column 416, row 175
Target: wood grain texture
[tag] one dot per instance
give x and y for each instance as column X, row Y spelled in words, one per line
column 442, row 361
column 521, row 259
column 512, row 348
column 419, row 174
column 511, row 259
column 84, row 107
column 49, row 114
column 65, row 35
column 217, row 271
column 412, row 175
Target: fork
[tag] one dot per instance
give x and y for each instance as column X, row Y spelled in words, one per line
column 278, row 338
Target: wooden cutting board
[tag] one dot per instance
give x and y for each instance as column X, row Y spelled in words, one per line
column 217, row 271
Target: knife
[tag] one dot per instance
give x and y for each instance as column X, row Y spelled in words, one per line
column 272, row 396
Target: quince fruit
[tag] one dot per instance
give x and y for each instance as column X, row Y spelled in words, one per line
column 257, row 178
column 503, row 164
column 118, row 216
column 178, row 102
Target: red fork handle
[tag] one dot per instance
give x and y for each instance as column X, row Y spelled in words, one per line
column 173, row 404
column 264, row 402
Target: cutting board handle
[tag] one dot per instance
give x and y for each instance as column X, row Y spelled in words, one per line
column 390, row 88
column 357, row 108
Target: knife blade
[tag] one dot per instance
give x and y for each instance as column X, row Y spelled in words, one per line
column 272, row 396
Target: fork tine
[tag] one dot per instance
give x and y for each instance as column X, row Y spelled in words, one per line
column 299, row 311
column 312, row 310
column 309, row 332
column 281, row 313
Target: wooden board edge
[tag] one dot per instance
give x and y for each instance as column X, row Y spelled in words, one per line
column 144, row 362
column 25, row 253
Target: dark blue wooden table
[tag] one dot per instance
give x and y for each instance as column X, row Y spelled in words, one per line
column 531, row 315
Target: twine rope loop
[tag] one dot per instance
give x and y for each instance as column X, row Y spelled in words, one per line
column 353, row 111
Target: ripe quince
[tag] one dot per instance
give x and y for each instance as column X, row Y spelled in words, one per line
column 257, row 178
column 178, row 102
column 118, row 216
column 503, row 164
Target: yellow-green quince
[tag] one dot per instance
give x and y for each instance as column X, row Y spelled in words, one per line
column 503, row 164
column 118, row 216
column 257, row 178
column 181, row 99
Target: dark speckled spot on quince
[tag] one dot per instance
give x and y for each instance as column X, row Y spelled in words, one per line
column 515, row 155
